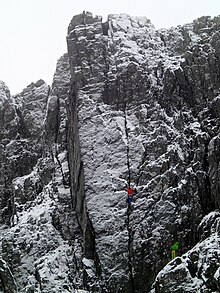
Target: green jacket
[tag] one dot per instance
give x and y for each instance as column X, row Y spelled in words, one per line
column 175, row 246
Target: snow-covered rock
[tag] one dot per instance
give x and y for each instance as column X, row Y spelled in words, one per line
column 198, row 269
column 129, row 105
column 141, row 113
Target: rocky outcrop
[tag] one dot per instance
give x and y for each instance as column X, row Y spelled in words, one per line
column 20, row 131
column 141, row 112
column 7, row 281
column 40, row 238
column 129, row 105
column 197, row 270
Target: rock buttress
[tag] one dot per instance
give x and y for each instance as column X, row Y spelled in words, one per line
column 162, row 83
column 40, row 237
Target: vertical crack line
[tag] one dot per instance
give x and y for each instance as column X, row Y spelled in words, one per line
column 56, row 138
column 57, row 121
column 129, row 228
column 130, row 239
column 127, row 147
column 60, row 166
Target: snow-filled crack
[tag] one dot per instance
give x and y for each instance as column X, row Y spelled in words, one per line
column 127, row 149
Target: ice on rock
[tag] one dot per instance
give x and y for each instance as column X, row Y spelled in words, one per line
column 129, row 105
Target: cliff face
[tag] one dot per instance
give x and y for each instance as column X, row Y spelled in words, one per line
column 129, row 105
column 40, row 238
column 146, row 105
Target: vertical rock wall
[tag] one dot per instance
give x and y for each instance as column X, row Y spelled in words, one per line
column 143, row 104
column 128, row 105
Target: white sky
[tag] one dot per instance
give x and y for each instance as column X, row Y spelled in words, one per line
column 33, row 32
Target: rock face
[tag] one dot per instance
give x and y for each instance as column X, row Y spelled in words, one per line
column 144, row 110
column 197, row 270
column 128, row 106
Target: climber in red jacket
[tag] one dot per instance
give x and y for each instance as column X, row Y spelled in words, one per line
column 131, row 192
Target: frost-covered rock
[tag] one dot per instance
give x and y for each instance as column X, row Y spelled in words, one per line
column 198, row 269
column 39, row 233
column 31, row 108
column 7, row 281
column 129, row 105
column 8, row 121
column 142, row 100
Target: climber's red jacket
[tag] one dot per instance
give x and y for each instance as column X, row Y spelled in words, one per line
column 131, row 191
